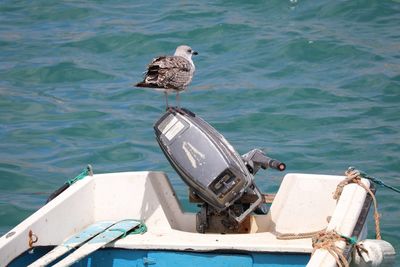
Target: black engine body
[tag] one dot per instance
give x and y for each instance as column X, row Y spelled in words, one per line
column 205, row 161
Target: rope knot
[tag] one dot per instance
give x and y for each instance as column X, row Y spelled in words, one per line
column 354, row 176
column 327, row 239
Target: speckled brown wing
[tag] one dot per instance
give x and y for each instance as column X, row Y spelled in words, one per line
column 170, row 72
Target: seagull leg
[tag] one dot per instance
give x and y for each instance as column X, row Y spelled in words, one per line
column 166, row 98
column 177, row 99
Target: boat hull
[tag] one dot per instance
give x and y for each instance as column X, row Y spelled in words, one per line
column 160, row 258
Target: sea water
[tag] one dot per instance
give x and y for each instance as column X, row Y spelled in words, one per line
column 316, row 84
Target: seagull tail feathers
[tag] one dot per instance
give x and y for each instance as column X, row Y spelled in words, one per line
column 142, row 84
column 148, row 85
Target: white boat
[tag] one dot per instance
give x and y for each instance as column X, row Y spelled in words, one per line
column 302, row 207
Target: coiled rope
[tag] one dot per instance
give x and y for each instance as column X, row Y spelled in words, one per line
column 354, row 176
column 327, row 240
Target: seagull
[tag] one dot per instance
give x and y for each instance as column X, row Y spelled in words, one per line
column 170, row 73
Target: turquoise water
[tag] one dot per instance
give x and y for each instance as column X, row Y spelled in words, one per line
column 314, row 83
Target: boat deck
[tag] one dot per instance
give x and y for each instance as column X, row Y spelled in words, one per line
column 303, row 204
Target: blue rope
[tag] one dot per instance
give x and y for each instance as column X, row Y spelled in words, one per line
column 123, row 231
column 87, row 171
column 375, row 180
column 141, row 229
column 350, row 240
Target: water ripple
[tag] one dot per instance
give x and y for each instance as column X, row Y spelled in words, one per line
column 315, row 84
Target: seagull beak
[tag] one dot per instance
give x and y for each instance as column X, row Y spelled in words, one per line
column 195, row 53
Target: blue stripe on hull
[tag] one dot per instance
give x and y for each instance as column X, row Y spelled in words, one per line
column 160, row 258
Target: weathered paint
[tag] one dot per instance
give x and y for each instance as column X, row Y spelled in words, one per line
column 73, row 242
column 162, row 258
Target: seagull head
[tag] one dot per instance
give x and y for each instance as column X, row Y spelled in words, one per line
column 185, row 52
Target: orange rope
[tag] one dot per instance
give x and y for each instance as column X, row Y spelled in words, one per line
column 326, row 240
column 353, row 176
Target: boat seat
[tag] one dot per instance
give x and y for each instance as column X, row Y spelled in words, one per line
column 303, row 203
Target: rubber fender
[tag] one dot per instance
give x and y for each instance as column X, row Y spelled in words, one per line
column 380, row 253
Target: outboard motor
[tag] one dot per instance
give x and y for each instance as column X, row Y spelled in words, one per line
column 210, row 166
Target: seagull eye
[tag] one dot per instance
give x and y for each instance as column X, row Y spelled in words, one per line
column 190, row 50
